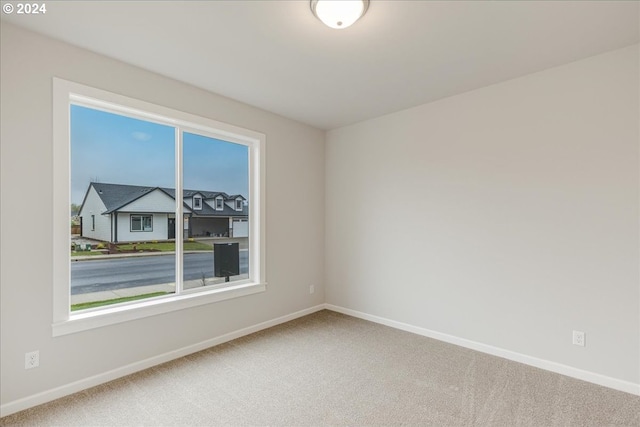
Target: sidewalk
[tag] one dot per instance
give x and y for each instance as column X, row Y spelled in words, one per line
column 136, row 254
column 149, row 289
column 119, row 293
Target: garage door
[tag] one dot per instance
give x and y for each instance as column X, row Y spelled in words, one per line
column 240, row 228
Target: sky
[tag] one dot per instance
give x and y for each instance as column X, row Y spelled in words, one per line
column 115, row 149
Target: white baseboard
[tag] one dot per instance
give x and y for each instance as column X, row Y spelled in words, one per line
column 558, row 368
column 85, row 383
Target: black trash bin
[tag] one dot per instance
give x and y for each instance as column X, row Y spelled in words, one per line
column 226, row 260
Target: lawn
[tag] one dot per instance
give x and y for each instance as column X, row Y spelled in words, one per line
column 85, row 305
column 165, row 246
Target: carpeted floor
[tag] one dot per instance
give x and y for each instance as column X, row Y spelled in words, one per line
column 332, row 369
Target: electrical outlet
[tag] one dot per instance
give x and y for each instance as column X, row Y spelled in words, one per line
column 32, row 359
column 578, row 338
column 312, row 289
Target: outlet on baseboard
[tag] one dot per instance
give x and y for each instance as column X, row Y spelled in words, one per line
column 578, row 338
column 32, row 359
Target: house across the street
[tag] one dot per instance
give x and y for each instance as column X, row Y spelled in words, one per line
column 129, row 213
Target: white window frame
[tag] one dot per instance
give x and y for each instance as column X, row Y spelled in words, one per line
column 199, row 205
column 65, row 322
column 93, row 222
column 142, row 228
column 219, row 201
column 239, row 203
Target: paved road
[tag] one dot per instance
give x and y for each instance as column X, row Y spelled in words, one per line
column 118, row 273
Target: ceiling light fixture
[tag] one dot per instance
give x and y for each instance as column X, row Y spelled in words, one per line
column 339, row 14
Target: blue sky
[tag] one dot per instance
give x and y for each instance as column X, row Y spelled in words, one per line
column 116, row 149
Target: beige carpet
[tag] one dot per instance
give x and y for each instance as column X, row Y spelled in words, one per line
column 331, row 369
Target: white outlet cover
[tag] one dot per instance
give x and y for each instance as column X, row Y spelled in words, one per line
column 32, row 359
column 578, row 338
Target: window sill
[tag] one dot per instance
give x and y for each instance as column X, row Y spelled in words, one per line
column 87, row 320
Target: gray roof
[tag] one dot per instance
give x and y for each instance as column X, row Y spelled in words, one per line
column 115, row 196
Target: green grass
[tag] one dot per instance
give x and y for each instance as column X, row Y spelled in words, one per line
column 166, row 246
column 92, row 304
column 151, row 246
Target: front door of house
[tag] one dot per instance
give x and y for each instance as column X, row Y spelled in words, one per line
column 172, row 228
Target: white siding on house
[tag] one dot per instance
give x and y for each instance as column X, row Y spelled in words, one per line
column 160, row 228
column 189, row 201
column 93, row 206
column 156, row 201
column 232, row 204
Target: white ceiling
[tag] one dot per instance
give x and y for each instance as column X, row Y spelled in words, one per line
column 277, row 56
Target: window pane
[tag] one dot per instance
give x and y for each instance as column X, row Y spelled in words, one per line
column 219, row 171
column 136, row 223
column 122, row 188
column 147, row 223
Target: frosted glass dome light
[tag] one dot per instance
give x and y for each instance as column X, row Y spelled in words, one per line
column 339, row 14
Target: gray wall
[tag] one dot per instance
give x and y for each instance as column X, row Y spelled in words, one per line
column 295, row 166
column 523, row 222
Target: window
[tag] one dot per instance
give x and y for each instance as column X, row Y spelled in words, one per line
column 145, row 193
column 141, row 223
column 238, row 204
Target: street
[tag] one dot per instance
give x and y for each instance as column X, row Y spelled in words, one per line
column 118, row 273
